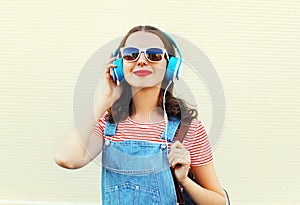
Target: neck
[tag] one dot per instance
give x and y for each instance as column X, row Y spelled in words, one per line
column 145, row 105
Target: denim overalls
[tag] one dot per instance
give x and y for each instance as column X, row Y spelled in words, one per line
column 137, row 172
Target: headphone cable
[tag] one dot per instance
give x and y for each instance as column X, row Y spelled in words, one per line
column 165, row 112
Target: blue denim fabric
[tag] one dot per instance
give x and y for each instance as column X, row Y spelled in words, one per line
column 137, row 172
column 110, row 129
column 170, row 129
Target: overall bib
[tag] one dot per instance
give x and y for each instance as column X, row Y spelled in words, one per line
column 137, row 172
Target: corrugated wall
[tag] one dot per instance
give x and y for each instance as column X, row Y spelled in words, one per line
column 252, row 45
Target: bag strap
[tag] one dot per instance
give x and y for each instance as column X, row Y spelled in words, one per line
column 184, row 126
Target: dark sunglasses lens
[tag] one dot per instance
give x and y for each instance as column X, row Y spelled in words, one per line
column 154, row 54
column 130, row 54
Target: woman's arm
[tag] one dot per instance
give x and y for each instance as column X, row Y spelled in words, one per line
column 208, row 190
column 81, row 145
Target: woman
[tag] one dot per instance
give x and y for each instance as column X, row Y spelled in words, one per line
column 137, row 123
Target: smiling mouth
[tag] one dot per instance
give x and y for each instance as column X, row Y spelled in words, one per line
column 142, row 73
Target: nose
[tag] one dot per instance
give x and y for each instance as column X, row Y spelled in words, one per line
column 142, row 61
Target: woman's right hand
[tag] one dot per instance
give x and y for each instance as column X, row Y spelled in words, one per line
column 110, row 89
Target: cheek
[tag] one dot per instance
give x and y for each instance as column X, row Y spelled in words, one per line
column 161, row 69
column 127, row 67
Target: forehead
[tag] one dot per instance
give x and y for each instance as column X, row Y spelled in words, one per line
column 144, row 39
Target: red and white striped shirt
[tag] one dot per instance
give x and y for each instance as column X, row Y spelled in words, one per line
column 196, row 140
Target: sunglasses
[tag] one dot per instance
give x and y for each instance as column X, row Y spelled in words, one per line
column 131, row 54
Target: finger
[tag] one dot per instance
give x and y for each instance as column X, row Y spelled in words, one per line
column 178, row 162
column 110, row 66
column 177, row 152
column 112, row 58
column 182, row 157
column 178, row 158
column 173, row 162
column 177, row 144
column 111, row 55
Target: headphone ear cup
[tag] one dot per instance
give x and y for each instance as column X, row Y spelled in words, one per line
column 118, row 73
column 173, row 69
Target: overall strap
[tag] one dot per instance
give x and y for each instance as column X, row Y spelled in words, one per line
column 170, row 130
column 110, row 129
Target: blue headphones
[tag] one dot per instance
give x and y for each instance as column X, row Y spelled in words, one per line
column 172, row 72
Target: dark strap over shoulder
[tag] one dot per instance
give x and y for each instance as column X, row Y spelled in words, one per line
column 183, row 128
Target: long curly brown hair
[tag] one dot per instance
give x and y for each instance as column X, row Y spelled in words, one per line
column 175, row 107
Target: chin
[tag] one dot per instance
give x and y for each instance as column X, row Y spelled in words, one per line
column 143, row 86
column 143, row 83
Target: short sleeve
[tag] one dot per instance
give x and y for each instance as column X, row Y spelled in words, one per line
column 197, row 142
column 99, row 127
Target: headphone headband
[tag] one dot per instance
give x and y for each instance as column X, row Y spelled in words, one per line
column 174, row 43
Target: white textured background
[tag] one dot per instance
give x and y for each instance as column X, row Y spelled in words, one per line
column 254, row 46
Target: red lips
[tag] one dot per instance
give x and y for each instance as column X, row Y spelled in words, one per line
column 142, row 73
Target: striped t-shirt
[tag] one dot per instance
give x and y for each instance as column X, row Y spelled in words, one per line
column 196, row 140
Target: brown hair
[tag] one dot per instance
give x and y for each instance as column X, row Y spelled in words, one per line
column 175, row 107
column 166, row 41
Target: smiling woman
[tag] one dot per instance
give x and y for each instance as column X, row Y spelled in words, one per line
column 152, row 71
column 138, row 118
